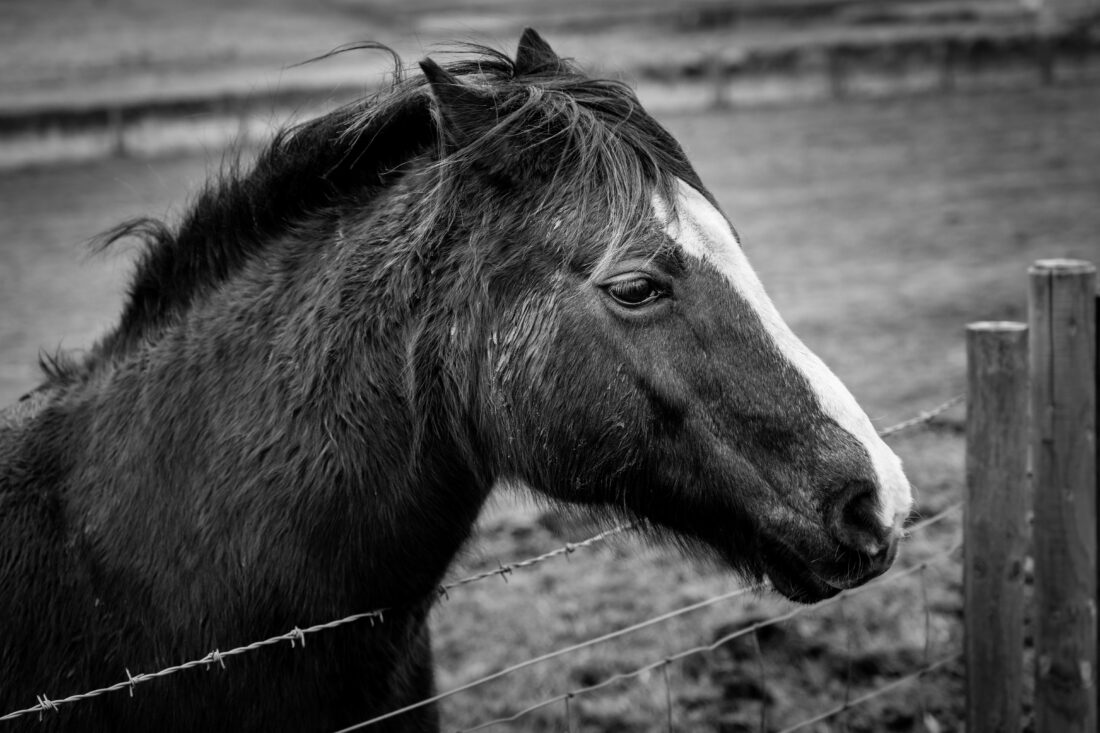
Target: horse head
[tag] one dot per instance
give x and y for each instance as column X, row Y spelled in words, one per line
column 620, row 352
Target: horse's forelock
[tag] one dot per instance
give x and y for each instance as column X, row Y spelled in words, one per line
column 580, row 154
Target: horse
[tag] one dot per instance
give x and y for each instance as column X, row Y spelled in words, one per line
column 494, row 272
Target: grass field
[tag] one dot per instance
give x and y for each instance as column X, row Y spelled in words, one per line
column 880, row 228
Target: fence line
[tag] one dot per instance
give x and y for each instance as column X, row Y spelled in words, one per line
column 1033, row 391
column 751, row 629
column 557, row 653
column 878, row 692
column 890, row 578
column 297, row 635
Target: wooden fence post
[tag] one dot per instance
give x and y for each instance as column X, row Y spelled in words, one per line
column 1063, row 415
column 996, row 524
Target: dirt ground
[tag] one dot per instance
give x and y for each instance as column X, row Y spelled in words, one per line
column 880, row 227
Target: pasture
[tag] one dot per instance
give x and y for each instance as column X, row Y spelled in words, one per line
column 880, row 228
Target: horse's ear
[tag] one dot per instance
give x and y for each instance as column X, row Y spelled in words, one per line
column 464, row 112
column 534, row 54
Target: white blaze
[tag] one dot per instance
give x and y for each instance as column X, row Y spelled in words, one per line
column 703, row 232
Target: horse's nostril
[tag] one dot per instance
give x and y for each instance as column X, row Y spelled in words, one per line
column 856, row 526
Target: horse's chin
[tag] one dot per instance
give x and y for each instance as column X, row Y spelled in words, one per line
column 792, row 577
column 801, row 585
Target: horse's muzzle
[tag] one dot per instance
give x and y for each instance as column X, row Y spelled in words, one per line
column 865, row 548
column 855, row 567
column 811, row 581
column 853, row 548
column 854, row 524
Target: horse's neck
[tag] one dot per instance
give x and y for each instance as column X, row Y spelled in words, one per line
column 264, row 444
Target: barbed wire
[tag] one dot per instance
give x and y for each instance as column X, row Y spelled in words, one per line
column 557, row 653
column 938, row 517
column 567, row 549
column 297, row 635
column 927, row 666
column 727, row 638
column 924, row 417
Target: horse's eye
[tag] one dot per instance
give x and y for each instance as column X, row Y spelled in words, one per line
column 634, row 292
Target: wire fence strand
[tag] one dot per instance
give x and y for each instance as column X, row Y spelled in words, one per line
column 925, row 522
column 568, row 549
column 751, row 629
column 560, row 652
column 877, row 692
column 923, row 418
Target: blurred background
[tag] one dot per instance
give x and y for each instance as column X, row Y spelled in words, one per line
column 893, row 166
column 87, row 78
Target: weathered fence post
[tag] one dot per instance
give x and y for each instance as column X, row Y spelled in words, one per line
column 996, row 528
column 1063, row 415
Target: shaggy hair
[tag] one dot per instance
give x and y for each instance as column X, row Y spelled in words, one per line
column 585, row 143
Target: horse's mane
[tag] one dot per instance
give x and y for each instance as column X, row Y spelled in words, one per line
column 607, row 156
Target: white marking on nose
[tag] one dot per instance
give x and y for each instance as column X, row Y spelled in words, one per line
column 703, row 232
